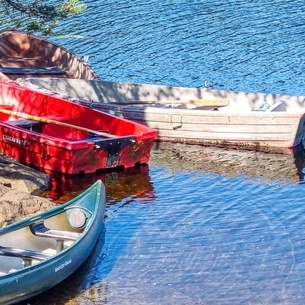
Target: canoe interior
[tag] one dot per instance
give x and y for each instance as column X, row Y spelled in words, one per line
column 250, row 120
column 25, row 239
column 22, row 55
column 122, row 93
column 104, row 141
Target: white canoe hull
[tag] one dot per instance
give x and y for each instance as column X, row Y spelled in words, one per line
column 241, row 123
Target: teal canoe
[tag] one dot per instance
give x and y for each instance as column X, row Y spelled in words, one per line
column 39, row 252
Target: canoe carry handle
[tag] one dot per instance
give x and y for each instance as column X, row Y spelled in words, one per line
column 77, row 217
column 50, row 121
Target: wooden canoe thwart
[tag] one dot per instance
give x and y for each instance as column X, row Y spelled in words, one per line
column 39, row 252
column 22, row 54
column 257, row 121
column 58, row 135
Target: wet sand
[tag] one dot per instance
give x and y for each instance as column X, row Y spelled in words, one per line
column 268, row 166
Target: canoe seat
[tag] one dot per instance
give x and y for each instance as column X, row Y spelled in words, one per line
column 278, row 106
column 27, row 124
column 265, row 106
column 39, row 229
column 26, row 255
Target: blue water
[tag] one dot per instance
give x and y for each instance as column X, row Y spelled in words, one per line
column 235, row 45
column 193, row 237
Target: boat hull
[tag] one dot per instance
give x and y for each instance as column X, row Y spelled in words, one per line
column 247, row 131
column 21, row 284
column 32, row 282
column 56, row 147
column 22, row 55
column 240, row 124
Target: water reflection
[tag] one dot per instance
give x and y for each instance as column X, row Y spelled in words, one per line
column 252, row 165
column 299, row 157
column 86, row 285
column 130, row 183
column 228, row 241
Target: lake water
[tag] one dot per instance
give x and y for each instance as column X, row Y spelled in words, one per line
column 185, row 236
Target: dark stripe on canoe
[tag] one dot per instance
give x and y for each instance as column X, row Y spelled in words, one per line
column 32, row 70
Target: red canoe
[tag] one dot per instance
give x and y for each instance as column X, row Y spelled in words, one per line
column 55, row 134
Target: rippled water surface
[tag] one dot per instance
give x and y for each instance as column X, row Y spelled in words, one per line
column 192, row 237
column 234, row 44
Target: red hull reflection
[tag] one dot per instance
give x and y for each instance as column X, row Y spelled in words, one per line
column 133, row 182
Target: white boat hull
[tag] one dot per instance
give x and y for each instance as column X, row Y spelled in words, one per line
column 242, row 123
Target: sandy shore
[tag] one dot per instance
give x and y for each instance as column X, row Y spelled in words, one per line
column 20, row 190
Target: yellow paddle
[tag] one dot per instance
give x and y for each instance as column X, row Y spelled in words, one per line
column 50, row 121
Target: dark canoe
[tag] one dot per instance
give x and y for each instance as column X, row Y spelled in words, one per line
column 258, row 121
column 22, row 55
column 55, row 134
column 41, row 251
